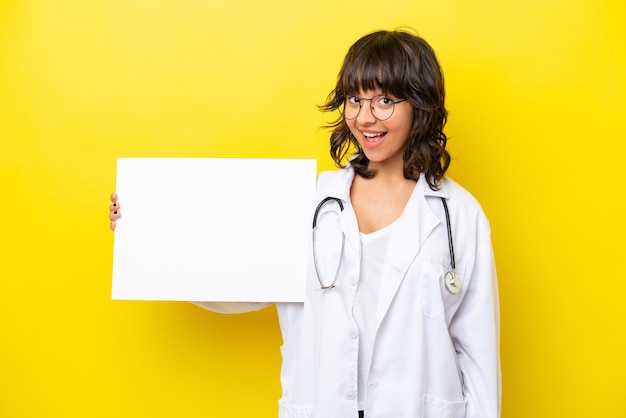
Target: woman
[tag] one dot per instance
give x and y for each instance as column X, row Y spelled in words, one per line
column 395, row 323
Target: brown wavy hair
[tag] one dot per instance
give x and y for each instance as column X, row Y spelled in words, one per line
column 404, row 65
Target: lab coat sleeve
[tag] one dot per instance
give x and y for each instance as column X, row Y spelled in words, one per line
column 475, row 331
column 232, row 307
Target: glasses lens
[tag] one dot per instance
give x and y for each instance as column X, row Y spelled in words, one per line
column 351, row 108
column 382, row 107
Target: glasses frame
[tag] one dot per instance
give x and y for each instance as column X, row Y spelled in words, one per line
column 371, row 99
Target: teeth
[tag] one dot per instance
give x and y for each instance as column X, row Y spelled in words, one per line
column 370, row 135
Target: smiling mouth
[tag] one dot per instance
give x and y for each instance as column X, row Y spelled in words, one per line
column 373, row 137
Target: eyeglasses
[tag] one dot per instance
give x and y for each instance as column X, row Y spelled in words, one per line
column 382, row 107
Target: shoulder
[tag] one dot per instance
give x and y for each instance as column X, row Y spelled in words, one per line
column 458, row 194
column 462, row 202
column 324, row 177
column 335, row 182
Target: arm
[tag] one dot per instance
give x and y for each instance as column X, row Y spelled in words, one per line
column 475, row 331
column 232, row 307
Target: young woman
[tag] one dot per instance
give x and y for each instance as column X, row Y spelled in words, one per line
column 401, row 314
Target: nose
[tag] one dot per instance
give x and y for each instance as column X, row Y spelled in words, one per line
column 366, row 115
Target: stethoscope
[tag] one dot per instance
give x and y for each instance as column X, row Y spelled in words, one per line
column 453, row 284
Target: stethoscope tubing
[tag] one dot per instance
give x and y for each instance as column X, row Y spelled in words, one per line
column 449, row 227
column 452, row 283
column 319, row 207
column 343, row 243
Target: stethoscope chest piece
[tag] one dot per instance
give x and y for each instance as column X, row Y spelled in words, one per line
column 453, row 284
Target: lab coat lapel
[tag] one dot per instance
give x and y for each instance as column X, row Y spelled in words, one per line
column 340, row 188
column 408, row 236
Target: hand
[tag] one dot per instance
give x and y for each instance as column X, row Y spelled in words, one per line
column 114, row 211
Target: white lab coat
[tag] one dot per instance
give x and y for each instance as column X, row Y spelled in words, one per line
column 435, row 354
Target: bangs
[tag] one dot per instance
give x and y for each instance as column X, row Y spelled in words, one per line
column 381, row 64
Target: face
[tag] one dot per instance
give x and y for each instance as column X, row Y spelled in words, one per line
column 383, row 142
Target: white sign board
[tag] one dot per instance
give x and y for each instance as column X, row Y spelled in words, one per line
column 204, row 229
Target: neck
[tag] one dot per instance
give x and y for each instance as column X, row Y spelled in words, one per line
column 388, row 171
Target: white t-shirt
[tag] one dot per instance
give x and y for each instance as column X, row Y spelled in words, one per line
column 373, row 252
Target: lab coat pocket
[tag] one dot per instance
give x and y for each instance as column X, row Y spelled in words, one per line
column 293, row 411
column 437, row 302
column 438, row 408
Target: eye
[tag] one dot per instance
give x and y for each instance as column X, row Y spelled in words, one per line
column 385, row 101
column 353, row 100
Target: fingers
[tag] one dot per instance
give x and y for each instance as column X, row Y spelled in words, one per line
column 114, row 215
column 114, row 211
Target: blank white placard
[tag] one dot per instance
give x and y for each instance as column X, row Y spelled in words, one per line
column 213, row 229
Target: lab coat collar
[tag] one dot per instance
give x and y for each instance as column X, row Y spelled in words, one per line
column 425, row 190
column 415, row 226
column 342, row 181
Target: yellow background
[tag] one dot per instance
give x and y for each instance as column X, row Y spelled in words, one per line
column 536, row 93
